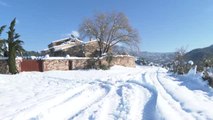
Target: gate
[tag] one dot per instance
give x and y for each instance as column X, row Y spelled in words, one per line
column 31, row 65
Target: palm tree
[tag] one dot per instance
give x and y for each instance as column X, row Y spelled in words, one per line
column 1, row 40
column 14, row 46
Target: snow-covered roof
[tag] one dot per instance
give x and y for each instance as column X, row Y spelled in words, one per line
column 65, row 58
column 63, row 46
column 68, row 44
column 59, row 40
column 93, row 40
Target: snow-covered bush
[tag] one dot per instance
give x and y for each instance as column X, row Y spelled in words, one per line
column 190, row 62
column 182, row 68
column 208, row 75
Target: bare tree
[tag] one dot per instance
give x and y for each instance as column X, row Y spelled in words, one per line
column 179, row 63
column 109, row 29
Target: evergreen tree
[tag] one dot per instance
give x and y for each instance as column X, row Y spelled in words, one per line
column 14, row 46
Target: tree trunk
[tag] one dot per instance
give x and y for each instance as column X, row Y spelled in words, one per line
column 100, row 52
column 12, row 60
column 100, row 48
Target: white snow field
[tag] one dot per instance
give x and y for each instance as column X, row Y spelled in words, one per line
column 121, row 93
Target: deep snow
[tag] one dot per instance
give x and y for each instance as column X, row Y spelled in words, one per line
column 142, row 93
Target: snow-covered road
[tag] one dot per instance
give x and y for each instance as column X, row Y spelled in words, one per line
column 142, row 93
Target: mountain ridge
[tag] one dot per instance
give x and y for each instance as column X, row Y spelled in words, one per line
column 200, row 54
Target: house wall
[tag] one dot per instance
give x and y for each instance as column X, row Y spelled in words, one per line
column 91, row 49
column 77, row 51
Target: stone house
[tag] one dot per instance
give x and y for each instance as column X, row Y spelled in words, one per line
column 56, row 48
column 73, row 47
column 81, row 56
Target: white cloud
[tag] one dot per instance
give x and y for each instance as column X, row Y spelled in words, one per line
column 3, row 4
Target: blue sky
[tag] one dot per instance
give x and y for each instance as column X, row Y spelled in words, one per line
column 164, row 25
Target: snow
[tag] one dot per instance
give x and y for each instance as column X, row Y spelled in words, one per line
column 121, row 93
column 193, row 70
column 63, row 46
column 76, row 34
column 190, row 62
column 3, row 58
column 65, row 58
column 59, row 40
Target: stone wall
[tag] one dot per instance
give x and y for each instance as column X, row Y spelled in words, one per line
column 84, row 63
column 4, row 67
column 123, row 60
column 18, row 64
column 80, row 63
column 126, row 61
column 55, row 65
column 73, row 63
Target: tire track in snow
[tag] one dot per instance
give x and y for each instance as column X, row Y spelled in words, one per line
column 149, row 111
column 119, row 103
column 123, row 106
column 99, row 110
column 52, row 109
column 166, row 101
column 102, row 85
column 197, row 114
column 103, row 108
column 30, row 105
column 48, row 103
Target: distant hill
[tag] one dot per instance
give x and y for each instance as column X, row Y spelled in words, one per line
column 154, row 57
column 158, row 58
column 198, row 55
column 30, row 53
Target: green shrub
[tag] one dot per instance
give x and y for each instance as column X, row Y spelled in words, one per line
column 104, row 67
column 208, row 78
column 91, row 64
